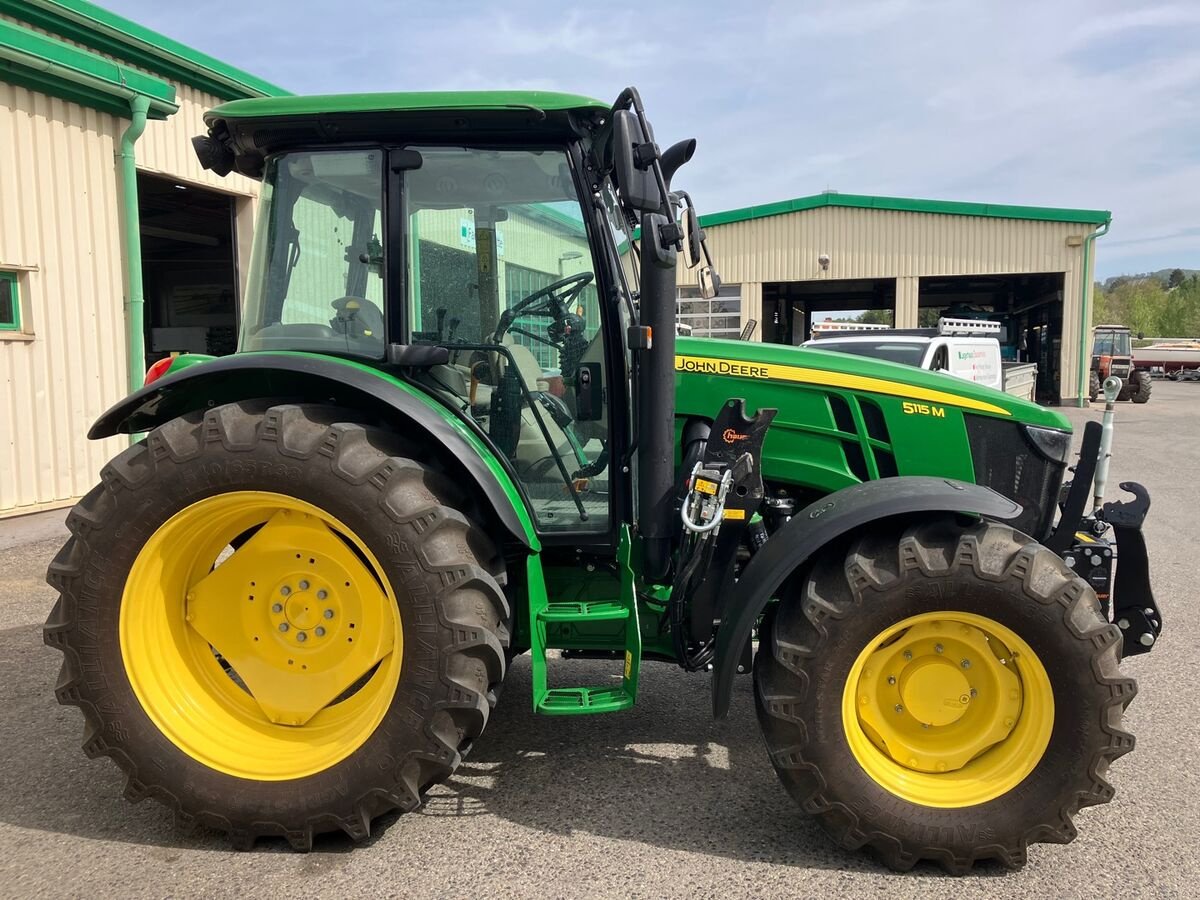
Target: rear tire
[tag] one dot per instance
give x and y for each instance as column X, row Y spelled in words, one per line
column 1141, row 387
column 804, row 677
column 449, row 613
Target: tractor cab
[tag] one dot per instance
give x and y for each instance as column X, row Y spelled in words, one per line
column 496, row 266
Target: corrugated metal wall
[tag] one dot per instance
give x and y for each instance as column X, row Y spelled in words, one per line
column 875, row 243
column 59, row 228
column 166, row 147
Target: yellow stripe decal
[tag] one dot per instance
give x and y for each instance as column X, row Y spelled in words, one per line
column 771, row 372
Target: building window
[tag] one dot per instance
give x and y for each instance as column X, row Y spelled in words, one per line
column 720, row 317
column 10, row 302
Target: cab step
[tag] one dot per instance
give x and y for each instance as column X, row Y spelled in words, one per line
column 583, row 700
column 585, row 611
column 568, row 622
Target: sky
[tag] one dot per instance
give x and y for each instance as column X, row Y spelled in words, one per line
column 1092, row 104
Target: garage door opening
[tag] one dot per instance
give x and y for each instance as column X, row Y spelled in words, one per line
column 1028, row 307
column 189, row 268
column 791, row 308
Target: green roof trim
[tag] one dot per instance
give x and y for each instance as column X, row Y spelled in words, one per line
column 908, row 204
column 321, row 104
column 42, row 63
column 106, row 32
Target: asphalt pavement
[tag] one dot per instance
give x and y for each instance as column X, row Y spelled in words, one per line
column 657, row 801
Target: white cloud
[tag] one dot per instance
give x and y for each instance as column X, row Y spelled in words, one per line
column 1087, row 103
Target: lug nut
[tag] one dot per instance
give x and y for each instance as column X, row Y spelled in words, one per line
column 891, row 679
column 898, row 708
column 329, row 613
column 937, row 648
column 321, row 595
column 283, row 626
column 285, row 590
column 302, row 637
column 908, row 654
column 304, row 585
column 276, row 607
column 966, row 664
column 320, row 631
column 974, row 693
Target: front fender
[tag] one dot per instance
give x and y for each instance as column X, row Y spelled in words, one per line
column 816, row 526
column 313, row 378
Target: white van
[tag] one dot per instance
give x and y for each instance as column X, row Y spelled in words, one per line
column 965, row 348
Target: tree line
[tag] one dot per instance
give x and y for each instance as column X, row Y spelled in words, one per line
column 1150, row 305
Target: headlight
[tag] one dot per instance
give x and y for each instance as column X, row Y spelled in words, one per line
column 1052, row 443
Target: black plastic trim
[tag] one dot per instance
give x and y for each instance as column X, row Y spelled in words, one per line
column 816, row 526
column 300, row 377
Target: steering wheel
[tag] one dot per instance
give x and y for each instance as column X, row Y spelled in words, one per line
column 357, row 318
column 553, row 300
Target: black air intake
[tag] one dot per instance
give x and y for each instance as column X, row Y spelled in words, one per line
column 1008, row 462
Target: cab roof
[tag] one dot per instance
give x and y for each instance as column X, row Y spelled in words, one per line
column 254, row 128
column 409, row 101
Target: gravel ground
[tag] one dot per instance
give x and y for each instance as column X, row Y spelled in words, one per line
column 659, row 801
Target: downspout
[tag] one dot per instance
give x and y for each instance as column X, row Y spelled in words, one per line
column 139, row 106
column 1085, row 282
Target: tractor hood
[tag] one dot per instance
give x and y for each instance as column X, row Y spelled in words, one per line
column 810, row 369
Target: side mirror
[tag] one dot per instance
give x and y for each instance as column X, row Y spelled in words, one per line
column 710, row 282
column 635, row 177
column 692, row 236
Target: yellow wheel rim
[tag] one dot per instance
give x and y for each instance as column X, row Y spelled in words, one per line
column 948, row 709
column 273, row 661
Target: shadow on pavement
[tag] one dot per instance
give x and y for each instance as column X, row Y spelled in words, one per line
column 664, row 774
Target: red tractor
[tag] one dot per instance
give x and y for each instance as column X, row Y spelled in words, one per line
column 1112, row 354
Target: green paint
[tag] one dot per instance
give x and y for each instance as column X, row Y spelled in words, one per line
column 804, row 446
column 57, row 68
column 131, row 216
column 10, row 286
column 106, row 32
column 186, row 361
column 584, row 615
column 418, row 101
column 907, row 204
column 1085, row 315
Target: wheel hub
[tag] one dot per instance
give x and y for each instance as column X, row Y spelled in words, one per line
column 939, row 695
column 312, row 635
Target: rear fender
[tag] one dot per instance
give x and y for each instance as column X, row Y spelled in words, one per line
column 816, row 526
column 311, row 378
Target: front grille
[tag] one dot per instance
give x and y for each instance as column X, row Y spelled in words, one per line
column 1009, row 463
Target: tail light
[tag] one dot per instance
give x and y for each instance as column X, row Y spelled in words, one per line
column 158, row 370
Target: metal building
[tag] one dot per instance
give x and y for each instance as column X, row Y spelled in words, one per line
column 115, row 246
column 1029, row 267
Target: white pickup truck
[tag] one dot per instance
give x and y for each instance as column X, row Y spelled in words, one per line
column 964, row 348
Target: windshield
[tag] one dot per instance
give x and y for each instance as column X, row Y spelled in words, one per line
column 893, row 351
column 1112, row 343
column 316, row 273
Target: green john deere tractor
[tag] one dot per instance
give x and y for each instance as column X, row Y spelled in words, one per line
column 460, row 427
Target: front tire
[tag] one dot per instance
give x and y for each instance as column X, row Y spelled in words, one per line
column 946, row 694
column 1142, row 385
column 1094, row 386
column 275, row 625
